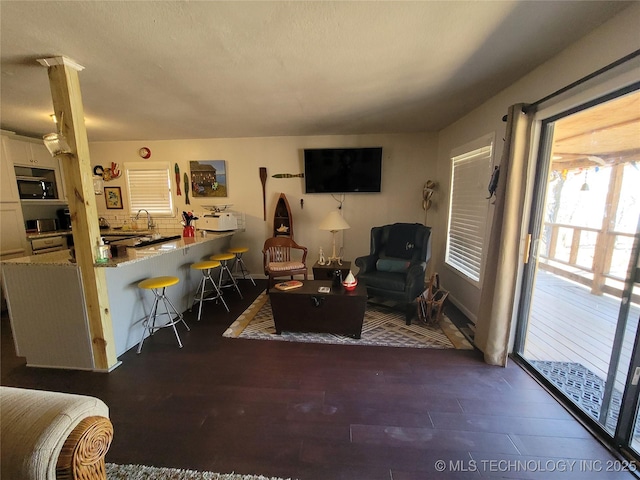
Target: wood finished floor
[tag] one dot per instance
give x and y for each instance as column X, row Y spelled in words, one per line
column 322, row 412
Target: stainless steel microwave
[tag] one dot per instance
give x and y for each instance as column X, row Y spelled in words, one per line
column 36, row 183
column 36, row 188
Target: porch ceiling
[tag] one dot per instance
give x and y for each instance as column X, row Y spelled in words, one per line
column 602, row 135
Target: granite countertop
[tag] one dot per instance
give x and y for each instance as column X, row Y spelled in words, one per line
column 56, row 233
column 110, row 232
column 133, row 255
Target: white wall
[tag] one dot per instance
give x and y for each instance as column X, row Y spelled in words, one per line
column 611, row 41
column 408, row 161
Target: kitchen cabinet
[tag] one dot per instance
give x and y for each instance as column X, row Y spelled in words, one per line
column 31, row 152
column 14, row 239
column 13, row 242
column 8, row 187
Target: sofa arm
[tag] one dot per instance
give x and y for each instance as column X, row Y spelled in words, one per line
column 366, row 263
column 83, row 452
column 36, row 426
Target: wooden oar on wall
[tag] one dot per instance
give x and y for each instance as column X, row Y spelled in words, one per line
column 263, row 179
column 288, row 175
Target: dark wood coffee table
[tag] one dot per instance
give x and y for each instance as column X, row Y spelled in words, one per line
column 304, row 309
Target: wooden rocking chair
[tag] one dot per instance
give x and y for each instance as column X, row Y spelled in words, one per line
column 279, row 261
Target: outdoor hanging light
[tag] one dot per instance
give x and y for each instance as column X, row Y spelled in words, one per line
column 585, row 185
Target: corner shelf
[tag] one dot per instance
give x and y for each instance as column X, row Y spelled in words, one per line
column 282, row 218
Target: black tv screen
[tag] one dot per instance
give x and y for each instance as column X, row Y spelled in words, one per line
column 342, row 170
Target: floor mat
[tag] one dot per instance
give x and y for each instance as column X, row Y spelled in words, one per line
column 582, row 386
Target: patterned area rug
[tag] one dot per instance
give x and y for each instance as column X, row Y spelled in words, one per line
column 581, row 385
column 141, row 472
column 382, row 327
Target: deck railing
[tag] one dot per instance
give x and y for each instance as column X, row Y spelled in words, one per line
column 597, row 258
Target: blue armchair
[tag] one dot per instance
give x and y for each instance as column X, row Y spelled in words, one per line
column 396, row 267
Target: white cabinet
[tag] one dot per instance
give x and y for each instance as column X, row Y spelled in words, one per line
column 8, row 187
column 31, row 152
column 14, row 239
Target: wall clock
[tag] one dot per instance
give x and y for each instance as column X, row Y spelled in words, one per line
column 144, row 152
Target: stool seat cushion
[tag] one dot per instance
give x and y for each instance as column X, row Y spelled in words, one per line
column 238, row 250
column 158, row 282
column 206, row 265
column 222, row 256
column 285, row 266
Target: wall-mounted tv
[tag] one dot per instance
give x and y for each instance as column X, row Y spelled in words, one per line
column 342, row 170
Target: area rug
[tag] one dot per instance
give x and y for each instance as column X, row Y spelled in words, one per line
column 142, row 472
column 581, row 385
column 382, row 326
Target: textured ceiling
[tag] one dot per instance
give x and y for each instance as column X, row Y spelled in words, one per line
column 170, row 70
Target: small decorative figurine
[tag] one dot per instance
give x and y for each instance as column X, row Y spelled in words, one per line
column 321, row 260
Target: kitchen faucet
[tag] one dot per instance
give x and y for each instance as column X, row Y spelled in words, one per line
column 149, row 222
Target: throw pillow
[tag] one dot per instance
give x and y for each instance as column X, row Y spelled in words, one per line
column 396, row 265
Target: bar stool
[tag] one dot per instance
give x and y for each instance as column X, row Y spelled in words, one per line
column 239, row 264
column 158, row 286
column 205, row 267
column 224, row 258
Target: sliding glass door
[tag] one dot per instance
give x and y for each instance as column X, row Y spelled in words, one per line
column 580, row 307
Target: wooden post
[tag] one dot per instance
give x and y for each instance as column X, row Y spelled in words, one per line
column 606, row 239
column 67, row 103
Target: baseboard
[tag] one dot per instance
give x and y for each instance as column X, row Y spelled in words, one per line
column 462, row 308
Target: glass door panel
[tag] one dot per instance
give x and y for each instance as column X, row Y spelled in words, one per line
column 579, row 317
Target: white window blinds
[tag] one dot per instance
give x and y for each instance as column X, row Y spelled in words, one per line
column 149, row 187
column 468, row 208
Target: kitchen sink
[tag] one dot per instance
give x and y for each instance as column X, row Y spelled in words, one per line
column 140, row 242
column 114, row 238
column 152, row 241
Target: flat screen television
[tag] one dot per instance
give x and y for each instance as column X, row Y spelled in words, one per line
column 342, row 170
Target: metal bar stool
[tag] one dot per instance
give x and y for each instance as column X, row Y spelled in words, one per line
column 224, row 258
column 205, row 267
column 239, row 268
column 158, row 285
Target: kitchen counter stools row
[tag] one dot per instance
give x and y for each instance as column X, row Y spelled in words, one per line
column 158, row 286
column 63, row 337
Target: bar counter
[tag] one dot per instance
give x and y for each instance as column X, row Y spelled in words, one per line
column 47, row 304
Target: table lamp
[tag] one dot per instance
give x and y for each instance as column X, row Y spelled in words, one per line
column 334, row 222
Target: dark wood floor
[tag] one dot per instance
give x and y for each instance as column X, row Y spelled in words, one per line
column 323, row 412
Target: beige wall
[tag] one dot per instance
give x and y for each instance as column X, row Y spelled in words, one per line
column 611, row 41
column 408, row 162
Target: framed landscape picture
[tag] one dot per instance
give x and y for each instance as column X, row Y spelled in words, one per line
column 208, row 178
column 113, row 197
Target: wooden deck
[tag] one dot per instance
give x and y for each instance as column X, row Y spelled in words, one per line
column 569, row 324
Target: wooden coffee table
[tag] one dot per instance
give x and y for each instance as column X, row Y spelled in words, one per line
column 304, row 309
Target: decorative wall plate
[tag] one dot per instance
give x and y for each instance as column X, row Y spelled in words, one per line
column 144, row 152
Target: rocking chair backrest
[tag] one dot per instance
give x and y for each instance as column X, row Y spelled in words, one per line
column 279, row 253
column 278, row 249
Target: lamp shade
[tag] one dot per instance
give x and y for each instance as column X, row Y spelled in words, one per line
column 334, row 222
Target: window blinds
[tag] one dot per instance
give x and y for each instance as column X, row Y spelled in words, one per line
column 149, row 188
column 468, row 209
